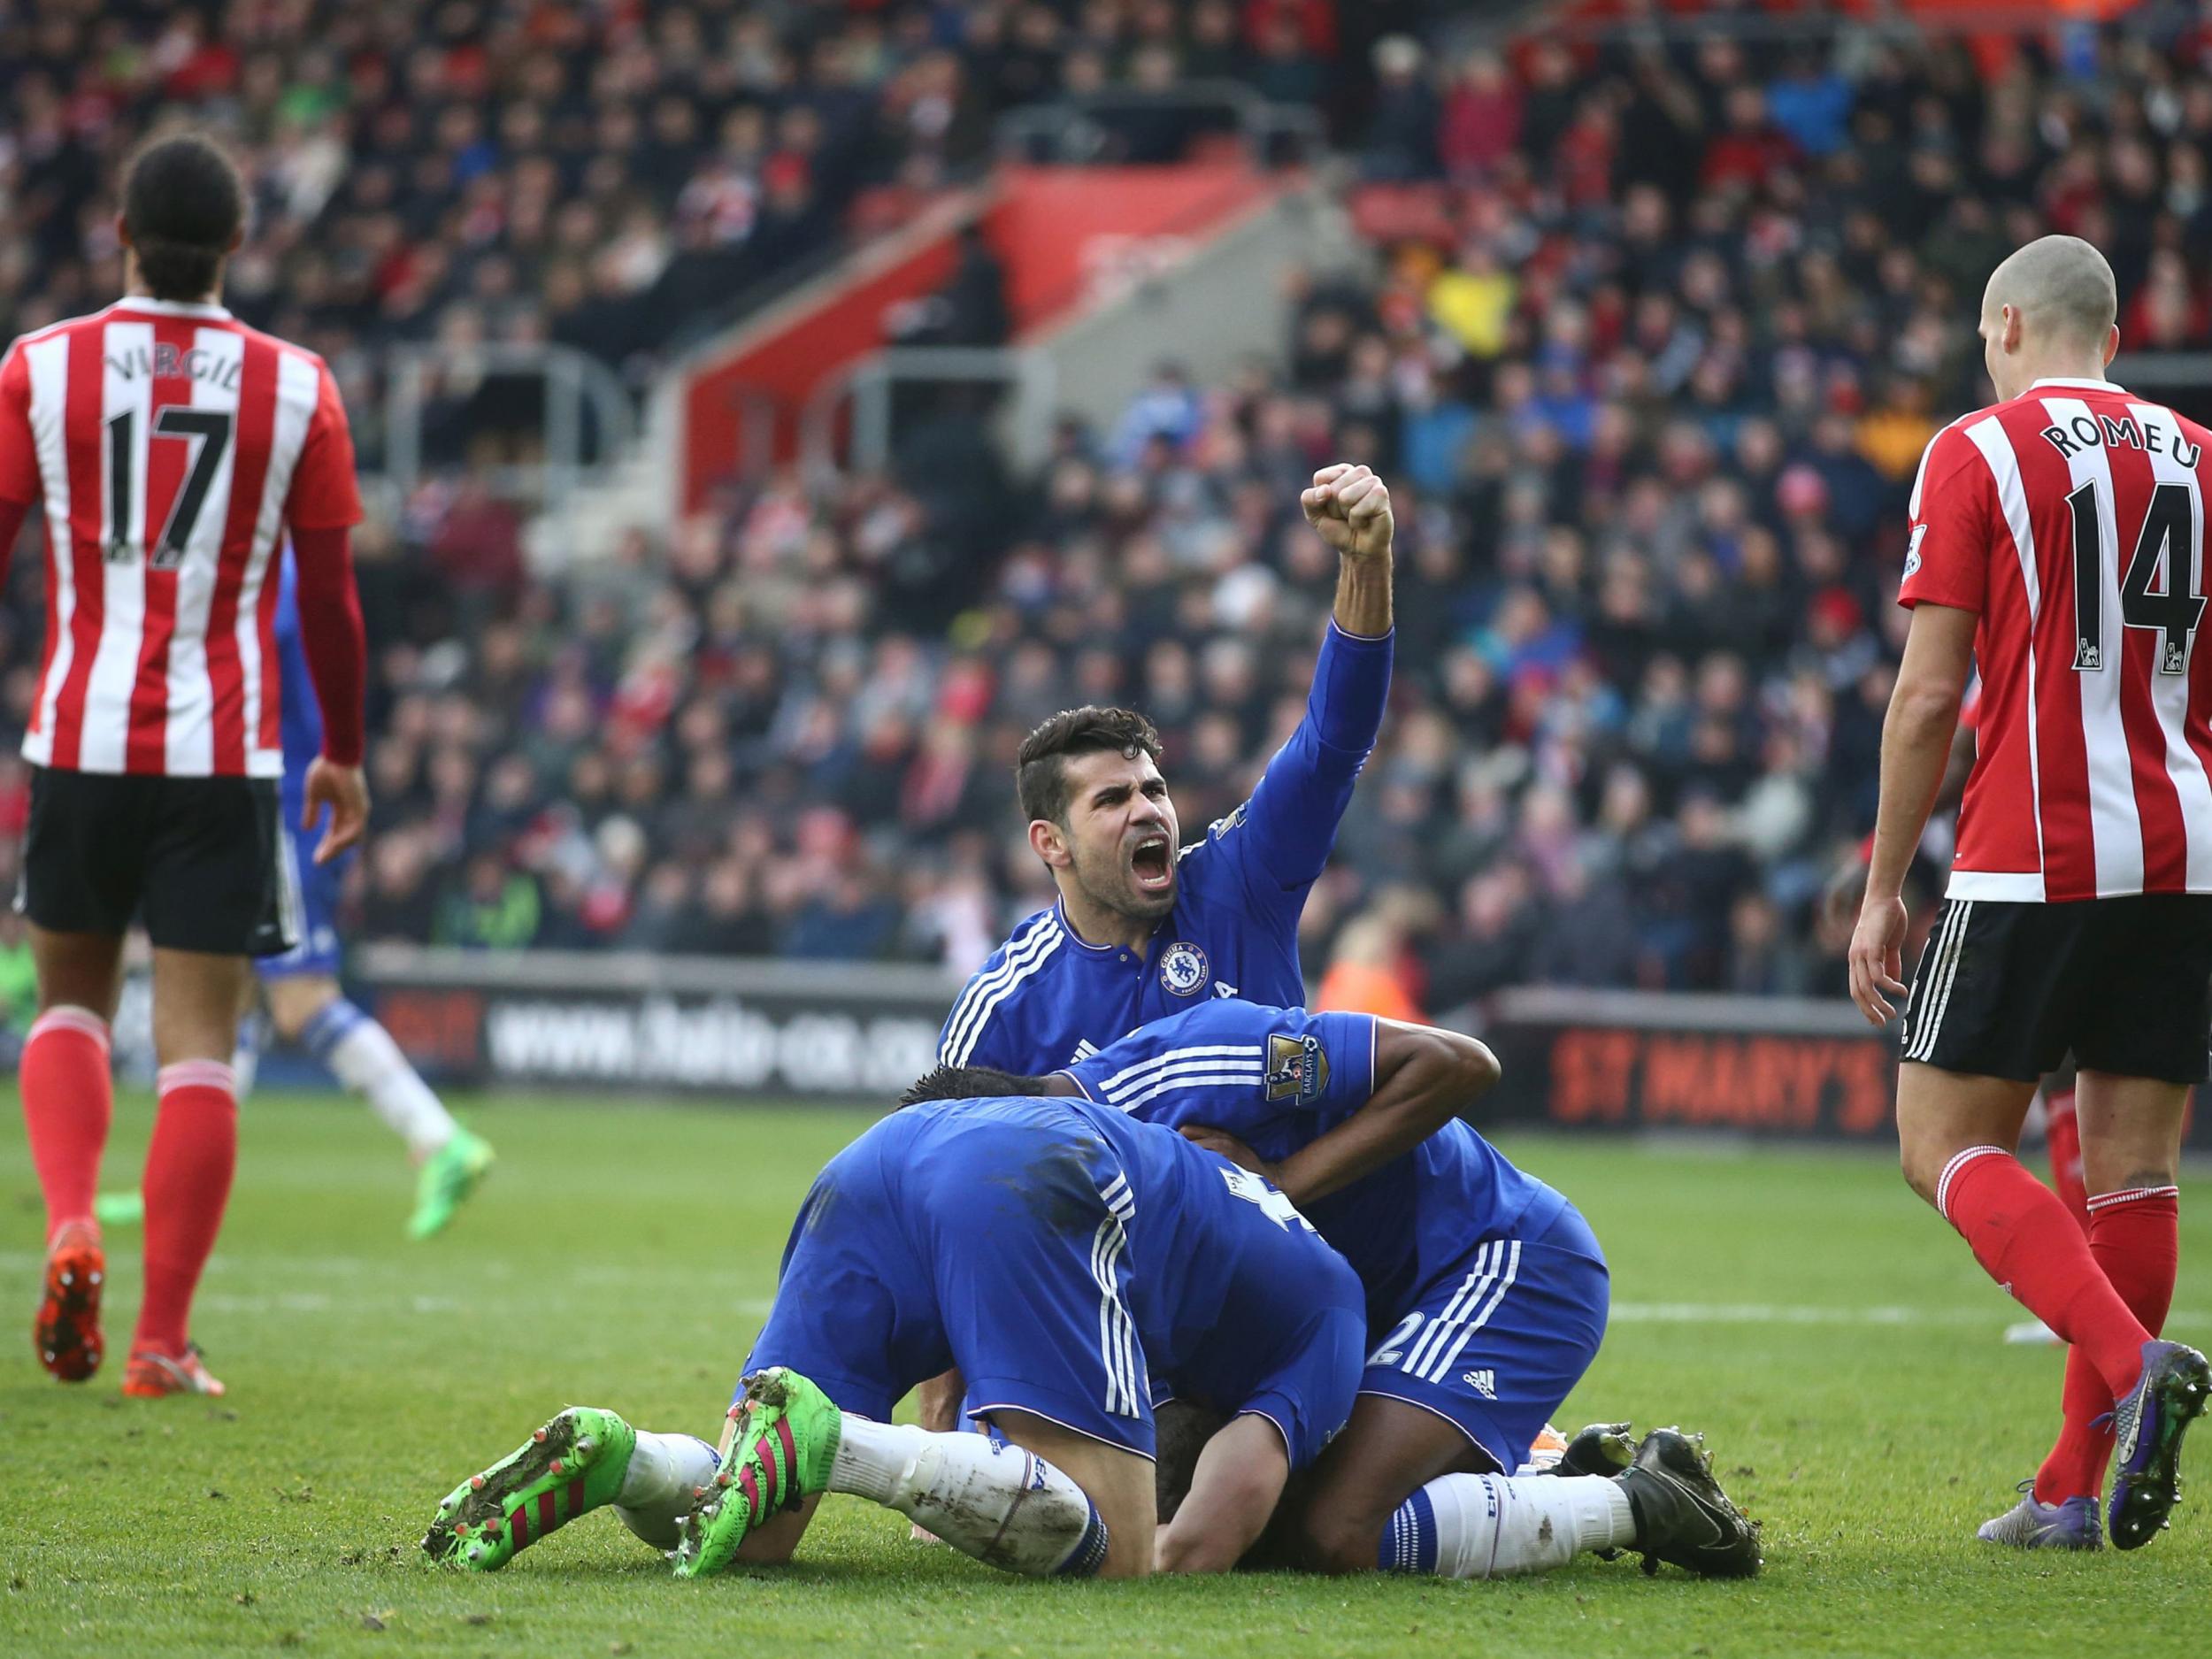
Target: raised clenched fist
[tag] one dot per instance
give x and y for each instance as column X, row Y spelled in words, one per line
column 1350, row 506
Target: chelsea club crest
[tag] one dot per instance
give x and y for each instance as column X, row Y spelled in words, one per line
column 1183, row 968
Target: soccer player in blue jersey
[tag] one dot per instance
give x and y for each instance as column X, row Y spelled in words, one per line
column 1486, row 1292
column 1074, row 1263
column 1143, row 925
column 306, row 1004
column 1140, row 929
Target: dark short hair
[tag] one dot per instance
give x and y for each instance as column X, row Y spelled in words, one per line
column 183, row 203
column 1040, row 776
column 970, row 1082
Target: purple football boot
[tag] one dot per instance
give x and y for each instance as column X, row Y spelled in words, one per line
column 2148, row 1425
column 2031, row 1524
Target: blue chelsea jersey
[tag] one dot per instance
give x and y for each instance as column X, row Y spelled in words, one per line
column 1047, row 997
column 1279, row 1078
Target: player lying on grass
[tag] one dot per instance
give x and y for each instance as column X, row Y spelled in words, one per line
column 1069, row 1259
column 1486, row 1292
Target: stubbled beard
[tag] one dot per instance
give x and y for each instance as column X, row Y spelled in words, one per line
column 1128, row 902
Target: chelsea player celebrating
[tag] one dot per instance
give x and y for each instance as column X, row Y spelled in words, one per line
column 1486, row 1292
column 1141, row 929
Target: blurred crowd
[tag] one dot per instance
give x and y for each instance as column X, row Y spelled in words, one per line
column 1652, row 340
column 600, row 173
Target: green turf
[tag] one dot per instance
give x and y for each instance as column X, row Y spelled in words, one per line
column 1832, row 1337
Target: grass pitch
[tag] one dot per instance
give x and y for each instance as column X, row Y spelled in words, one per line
column 1833, row 1339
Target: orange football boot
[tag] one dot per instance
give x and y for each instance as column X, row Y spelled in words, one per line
column 67, row 1330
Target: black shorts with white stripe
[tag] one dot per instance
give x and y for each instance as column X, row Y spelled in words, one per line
column 194, row 859
column 2005, row 989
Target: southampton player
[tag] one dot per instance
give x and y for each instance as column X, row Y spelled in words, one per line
column 1486, row 1292
column 306, row 1003
column 172, row 447
column 1070, row 1260
column 2058, row 546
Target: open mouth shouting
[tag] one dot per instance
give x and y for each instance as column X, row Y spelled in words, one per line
column 1152, row 865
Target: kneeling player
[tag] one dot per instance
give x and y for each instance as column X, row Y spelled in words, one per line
column 1486, row 1292
column 1063, row 1255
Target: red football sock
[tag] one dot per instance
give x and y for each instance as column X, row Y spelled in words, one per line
column 2061, row 1132
column 2022, row 1235
column 188, row 1182
column 68, row 1098
column 2136, row 1238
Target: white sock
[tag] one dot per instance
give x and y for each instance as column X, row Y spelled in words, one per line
column 1492, row 1526
column 656, row 1488
column 361, row 1055
column 1006, row 1507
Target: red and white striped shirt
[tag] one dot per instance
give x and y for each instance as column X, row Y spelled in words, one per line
column 2071, row 519
column 172, row 446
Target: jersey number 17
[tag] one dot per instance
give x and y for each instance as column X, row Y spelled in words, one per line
column 208, row 432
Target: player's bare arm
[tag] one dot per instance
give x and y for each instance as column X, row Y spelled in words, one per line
column 1350, row 507
column 1239, row 1480
column 1424, row 1077
column 1917, row 734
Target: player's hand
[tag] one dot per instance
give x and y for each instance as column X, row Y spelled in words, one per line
column 1350, row 506
column 345, row 791
column 1229, row 1147
column 1878, row 957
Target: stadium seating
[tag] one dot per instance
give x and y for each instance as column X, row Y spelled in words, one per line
column 1654, row 339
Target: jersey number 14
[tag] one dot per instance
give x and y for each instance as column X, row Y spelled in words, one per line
column 2170, row 538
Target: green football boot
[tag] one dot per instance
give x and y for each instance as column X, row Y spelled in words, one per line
column 448, row 1176
column 776, row 1451
column 572, row 1466
column 119, row 1209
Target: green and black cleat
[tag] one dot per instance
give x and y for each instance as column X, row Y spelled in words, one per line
column 778, row 1451
column 1682, row 1516
column 572, row 1466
